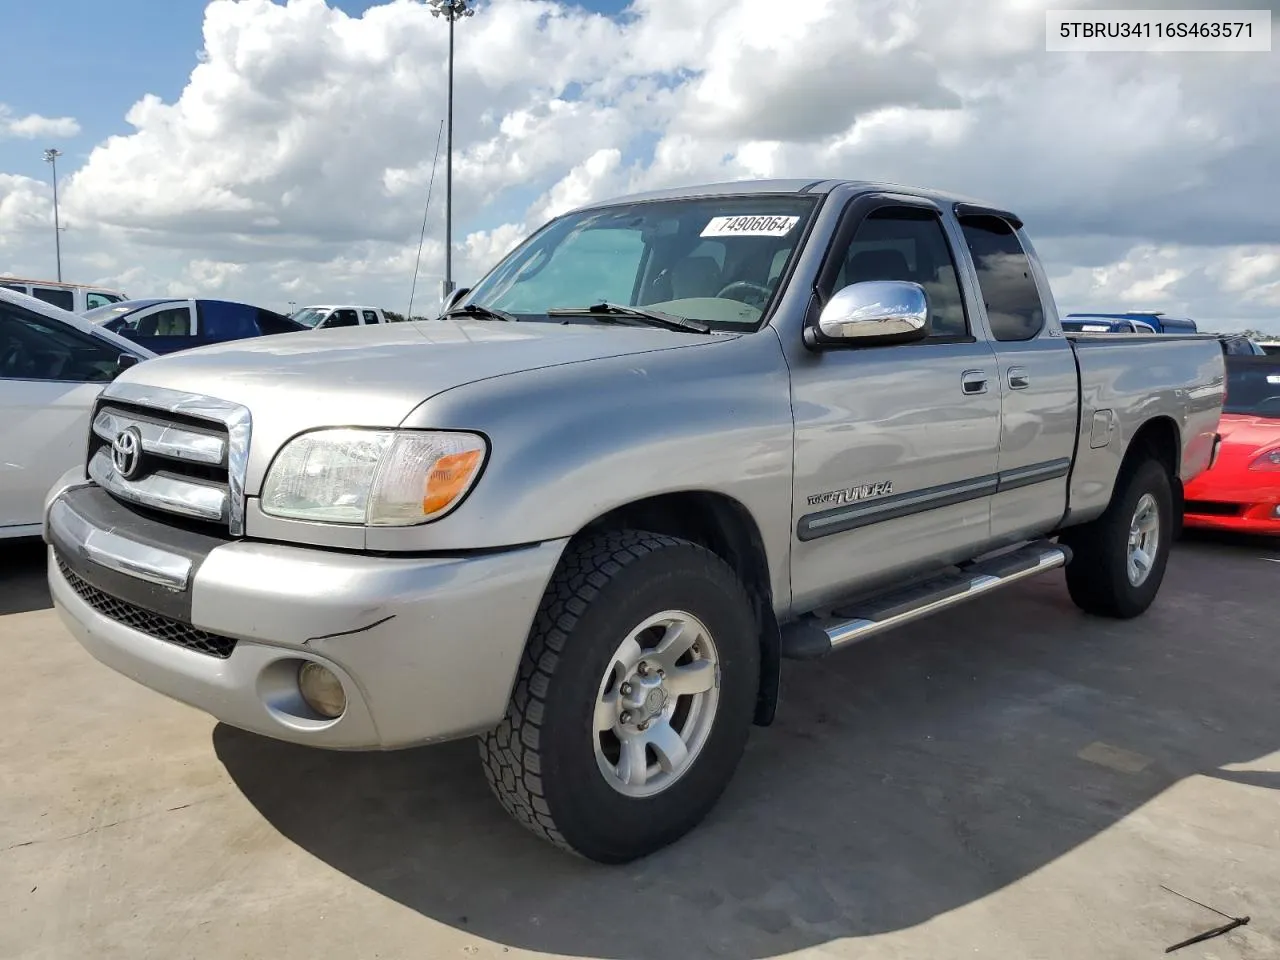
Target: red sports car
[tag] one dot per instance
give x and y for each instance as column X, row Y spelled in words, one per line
column 1241, row 491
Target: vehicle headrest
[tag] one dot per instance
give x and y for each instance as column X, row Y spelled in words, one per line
column 877, row 265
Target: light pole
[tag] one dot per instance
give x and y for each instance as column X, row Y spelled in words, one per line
column 51, row 157
column 453, row 11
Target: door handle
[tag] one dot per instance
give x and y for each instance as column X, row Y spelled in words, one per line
column 1018, row 379
column 973, row 381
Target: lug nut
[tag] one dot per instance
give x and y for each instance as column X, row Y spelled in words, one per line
column 643, row 669
column 625, row 689
column 645, row 725
column 662, row 674
column 626, row 716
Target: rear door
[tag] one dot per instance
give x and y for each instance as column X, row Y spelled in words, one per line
column 895, row 446
column 1037, row 382
column 50, row 374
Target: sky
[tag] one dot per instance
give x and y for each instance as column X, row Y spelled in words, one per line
column 281, row 152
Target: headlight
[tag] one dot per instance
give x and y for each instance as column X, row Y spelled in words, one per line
column 373, row 477
column 1268, row 461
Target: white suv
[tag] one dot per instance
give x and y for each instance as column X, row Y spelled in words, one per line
column 73, row 297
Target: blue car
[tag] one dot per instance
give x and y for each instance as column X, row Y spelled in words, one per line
column 1132, row 322
column 168, row 325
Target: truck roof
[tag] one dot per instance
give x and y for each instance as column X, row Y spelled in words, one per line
column 801, row 186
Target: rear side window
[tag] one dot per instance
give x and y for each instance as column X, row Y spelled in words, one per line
column 1004, row 278
column 65, row 299
column 370, row 316
column 20, row 287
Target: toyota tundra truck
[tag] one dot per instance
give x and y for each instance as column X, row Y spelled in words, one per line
column 667, row 443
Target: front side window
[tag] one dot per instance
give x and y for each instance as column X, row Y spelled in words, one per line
column 343, row 318
column 66, row 299
column 169, row 322
column 33, row 347
column 908, row 243
column 95, row 298
column 1008, row 289
column 715, row 259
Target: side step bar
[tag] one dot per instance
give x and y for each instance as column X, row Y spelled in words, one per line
column 812, row 637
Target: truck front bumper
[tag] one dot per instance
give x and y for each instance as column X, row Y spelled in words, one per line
column 426, row 649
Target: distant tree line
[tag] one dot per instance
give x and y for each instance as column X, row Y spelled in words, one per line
column 394, row 317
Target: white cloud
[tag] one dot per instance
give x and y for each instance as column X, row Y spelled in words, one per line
column 295, row 162
column 33, row 126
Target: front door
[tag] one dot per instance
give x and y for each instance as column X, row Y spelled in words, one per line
column 164, row 328
column 895, row 446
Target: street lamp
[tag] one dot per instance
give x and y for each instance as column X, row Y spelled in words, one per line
column 51, row 157
column 453, row 11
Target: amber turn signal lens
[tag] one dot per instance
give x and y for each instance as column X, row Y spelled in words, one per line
column 448, row 479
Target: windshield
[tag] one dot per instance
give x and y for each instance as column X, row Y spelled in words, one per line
column 1253, row 386
column 109, row 312
column 718, row 259
column 310, row 317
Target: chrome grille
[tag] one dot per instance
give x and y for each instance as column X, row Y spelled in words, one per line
column 178, row 453
column 145, row 621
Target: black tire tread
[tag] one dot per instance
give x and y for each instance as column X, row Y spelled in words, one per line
column 1093, row 586
column 509, row 752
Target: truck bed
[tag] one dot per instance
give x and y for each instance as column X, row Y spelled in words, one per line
column 1126, row 379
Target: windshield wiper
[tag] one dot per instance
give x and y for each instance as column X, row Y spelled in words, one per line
column 482, row 313
column 654, row 317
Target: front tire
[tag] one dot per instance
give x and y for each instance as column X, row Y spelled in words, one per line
column 1118, row 560
column 634, row 697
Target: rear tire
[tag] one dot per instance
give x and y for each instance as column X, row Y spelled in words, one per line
column 1118, row 560
column 571, row 759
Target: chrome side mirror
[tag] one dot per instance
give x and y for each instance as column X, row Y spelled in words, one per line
column 875, row 311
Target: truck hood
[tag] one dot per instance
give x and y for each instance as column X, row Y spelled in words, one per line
column 376, row 375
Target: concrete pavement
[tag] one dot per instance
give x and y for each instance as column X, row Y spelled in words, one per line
column 1011, row 780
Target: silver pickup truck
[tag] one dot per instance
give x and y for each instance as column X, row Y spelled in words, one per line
column 666, row 443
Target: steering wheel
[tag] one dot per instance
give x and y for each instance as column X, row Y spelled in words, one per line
column 762, row 293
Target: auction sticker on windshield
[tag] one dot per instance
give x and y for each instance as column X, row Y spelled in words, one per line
column 750, row 226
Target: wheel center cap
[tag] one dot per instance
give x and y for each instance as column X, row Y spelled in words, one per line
column 646, row 699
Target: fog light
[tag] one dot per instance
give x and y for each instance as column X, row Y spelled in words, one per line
column 322, row 690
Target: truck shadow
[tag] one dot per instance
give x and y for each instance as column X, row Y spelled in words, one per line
column 24, row 586
column 904, row 778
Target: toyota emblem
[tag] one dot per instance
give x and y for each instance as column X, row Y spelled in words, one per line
column 126, row 452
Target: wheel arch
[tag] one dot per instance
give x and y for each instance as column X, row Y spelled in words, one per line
column 1161, row 439
column 724, row 526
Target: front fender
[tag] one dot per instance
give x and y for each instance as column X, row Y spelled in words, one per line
column 572, row 442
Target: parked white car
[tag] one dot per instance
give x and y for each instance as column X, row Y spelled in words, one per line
column 53, row 365
column 76, row 297
column 326, row 316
